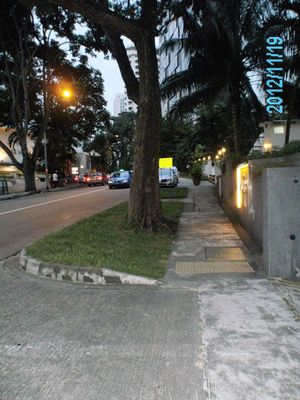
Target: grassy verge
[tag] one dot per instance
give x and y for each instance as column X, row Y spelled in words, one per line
column 105, row 240
column 173, row 193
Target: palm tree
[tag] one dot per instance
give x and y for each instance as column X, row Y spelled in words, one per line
column 286, row 22
column 218, row 36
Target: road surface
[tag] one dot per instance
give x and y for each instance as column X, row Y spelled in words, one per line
column 26, row 219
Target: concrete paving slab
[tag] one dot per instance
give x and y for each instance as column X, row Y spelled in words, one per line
column 250, row 340
column 61, row 341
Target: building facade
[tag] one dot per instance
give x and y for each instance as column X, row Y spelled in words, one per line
column 172, row 60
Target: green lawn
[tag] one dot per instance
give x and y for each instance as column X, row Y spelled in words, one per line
column 105, row 240
column 173, row 193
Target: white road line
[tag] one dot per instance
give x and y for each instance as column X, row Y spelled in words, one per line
column 50, row 202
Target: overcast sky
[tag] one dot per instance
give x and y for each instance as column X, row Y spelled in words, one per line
column 113, row 82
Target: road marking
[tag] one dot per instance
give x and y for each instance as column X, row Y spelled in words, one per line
column 52, row 201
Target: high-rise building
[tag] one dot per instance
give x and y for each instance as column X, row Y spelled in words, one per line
column 122, row 103
column 172, row 59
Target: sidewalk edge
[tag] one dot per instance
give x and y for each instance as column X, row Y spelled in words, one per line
column 79, row 274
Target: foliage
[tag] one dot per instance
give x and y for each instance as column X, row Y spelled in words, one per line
column 33, row 69
column 122, row 138
column 291, row 147
column 177, row 141
column 288, row 149
column 196, row 170
column 112, row 148
column 217, row 37
column 73, row 123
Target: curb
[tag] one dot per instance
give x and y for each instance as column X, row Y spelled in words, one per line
column 17, row 195
column 77, row 274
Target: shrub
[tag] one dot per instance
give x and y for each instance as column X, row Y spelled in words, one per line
column 291, row 148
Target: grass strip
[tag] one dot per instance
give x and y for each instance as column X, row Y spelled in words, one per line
column 173, row 193
column 105, row 240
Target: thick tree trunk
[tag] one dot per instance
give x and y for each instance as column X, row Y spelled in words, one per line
column 29, row 175
column 144, row 203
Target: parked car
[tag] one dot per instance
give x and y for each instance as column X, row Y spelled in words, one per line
column 96, row 179
column 176, row 173
column 167, row 177
column 120, row 179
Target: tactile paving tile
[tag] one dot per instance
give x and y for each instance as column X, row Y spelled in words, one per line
column 212, row 267
column 224, row 253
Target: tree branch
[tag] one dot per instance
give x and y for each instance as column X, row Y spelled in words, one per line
column 119, row 52
column 103, row 16
column 10, row 155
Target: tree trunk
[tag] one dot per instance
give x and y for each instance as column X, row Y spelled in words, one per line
column 144, row 203
column 29, row 175
column 288, row 128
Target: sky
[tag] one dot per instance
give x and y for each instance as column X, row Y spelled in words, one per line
column 113, row 82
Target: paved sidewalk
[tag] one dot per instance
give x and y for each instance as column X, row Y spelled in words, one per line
column 250, row 325
column 206, row 240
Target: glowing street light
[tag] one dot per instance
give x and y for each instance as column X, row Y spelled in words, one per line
column 220, row 152
column 66, row 94
column 223, row 150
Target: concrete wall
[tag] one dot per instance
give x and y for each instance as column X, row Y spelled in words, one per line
column 272, row 214
column 281, row 221
column 250, row 217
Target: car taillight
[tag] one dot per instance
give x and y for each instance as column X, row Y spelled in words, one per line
column 88, row 179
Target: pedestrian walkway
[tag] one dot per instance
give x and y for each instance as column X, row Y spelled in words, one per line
column 207, row 243
column 249, row 324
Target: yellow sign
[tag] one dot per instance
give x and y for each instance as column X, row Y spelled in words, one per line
column 165, row 162
column 242, row 185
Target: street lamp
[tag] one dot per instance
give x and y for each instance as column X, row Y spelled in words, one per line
column 67, row 95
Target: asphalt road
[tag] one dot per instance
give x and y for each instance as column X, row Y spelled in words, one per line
column 26, row 219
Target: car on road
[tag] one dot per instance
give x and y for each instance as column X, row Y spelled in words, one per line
column 120, row 179
column 167, row 177
column 176, row 173
column 96, row 179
